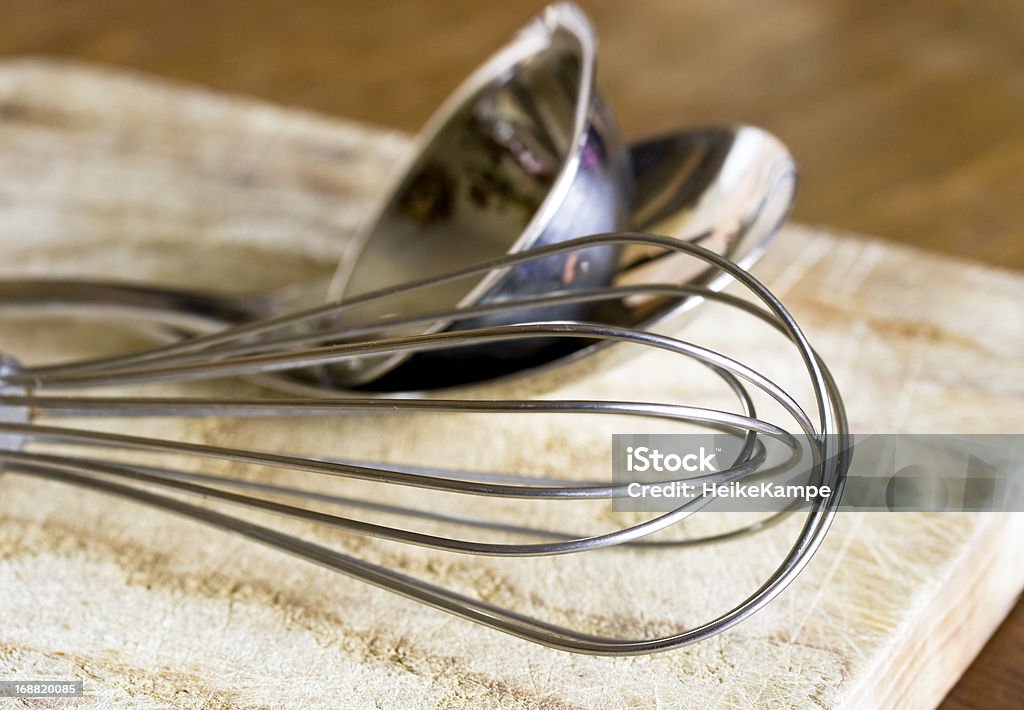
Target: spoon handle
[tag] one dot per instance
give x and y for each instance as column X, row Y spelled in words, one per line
column 189, row 310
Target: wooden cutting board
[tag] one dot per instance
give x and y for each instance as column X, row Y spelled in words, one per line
column 112, row 174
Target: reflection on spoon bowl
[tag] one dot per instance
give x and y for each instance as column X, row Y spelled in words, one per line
column 727, row 188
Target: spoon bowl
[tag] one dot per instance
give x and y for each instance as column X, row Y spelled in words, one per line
column 523, row 154
column 731, row 188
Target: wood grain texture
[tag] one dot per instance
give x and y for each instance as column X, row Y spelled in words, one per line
column 106, row 174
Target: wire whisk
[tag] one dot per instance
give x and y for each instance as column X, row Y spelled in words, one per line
column 310, row 342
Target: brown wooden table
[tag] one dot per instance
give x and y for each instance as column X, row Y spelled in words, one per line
column 906, row 117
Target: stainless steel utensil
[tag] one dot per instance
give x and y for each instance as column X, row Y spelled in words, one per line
column 523, row 154
column 124, row 465
column 728, row 187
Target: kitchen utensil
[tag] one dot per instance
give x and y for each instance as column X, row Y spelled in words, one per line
column 110, row 461
column 730, row 186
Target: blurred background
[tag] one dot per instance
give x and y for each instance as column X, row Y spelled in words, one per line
column 906, row 116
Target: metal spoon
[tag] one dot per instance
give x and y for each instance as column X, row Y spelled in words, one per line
column 524, row 154
column 733, row 186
